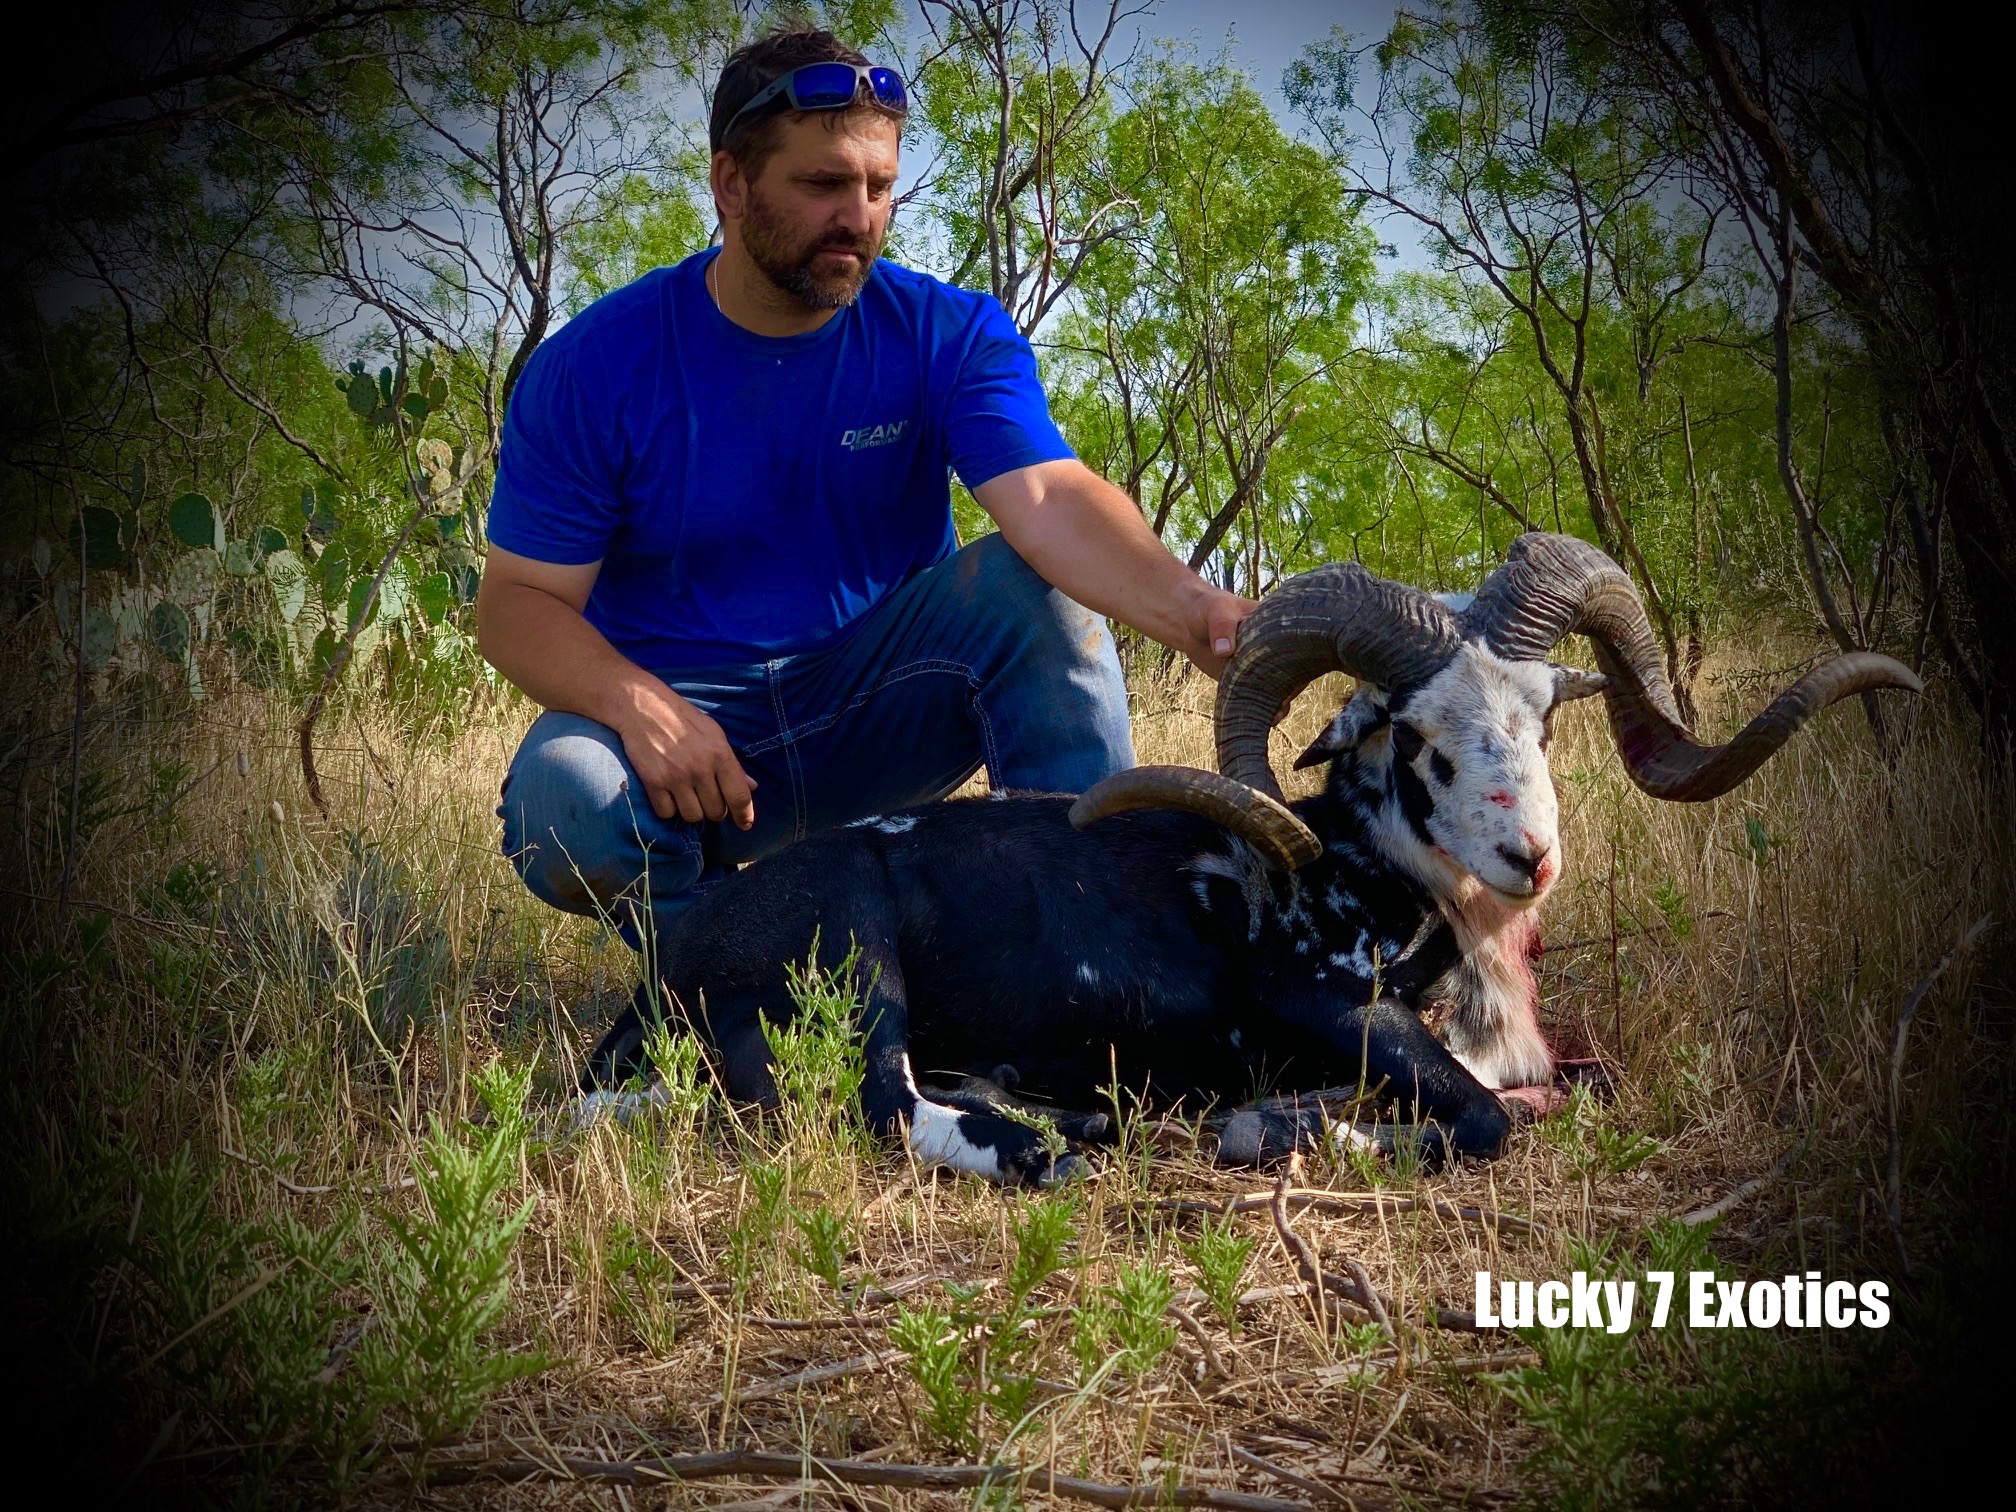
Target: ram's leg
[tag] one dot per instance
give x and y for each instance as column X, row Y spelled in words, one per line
column 982, row 1143
column 1429, row 1084
column 981, row 1094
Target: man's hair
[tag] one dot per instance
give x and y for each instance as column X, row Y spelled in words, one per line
column 748, row 70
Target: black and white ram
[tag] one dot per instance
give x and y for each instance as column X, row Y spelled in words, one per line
column 1197, row 938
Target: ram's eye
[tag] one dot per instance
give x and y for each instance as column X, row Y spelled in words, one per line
column 1407, row 741
column 1442, row 767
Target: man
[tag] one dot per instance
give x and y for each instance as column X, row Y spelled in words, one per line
column 722, row 553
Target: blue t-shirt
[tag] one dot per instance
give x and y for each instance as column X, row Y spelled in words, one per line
column 748, row 496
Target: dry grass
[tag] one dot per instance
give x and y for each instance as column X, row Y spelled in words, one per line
column 1739, row 964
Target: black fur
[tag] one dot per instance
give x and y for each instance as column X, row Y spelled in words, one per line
column 1152, row 946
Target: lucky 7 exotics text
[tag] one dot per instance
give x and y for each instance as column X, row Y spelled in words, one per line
column 1700, row 1299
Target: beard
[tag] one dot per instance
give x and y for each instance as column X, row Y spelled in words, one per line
column 791, row 262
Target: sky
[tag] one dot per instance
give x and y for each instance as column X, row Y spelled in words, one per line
column 1267, row 34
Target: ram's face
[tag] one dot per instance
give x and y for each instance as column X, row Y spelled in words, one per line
column 1466, row 754
column 1469, row 750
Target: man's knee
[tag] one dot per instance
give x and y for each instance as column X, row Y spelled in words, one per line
column 1057, row 627
column 570, row 823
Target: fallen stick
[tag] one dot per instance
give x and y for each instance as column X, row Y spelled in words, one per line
column 1265, row 1466
column 301, row 1189
column 1191, row 1296
column 777, row 1385
column 1479, row 1364
column 1740, row 1193
column 1367, row 1295
column 1197, row 1331
column 1355, row 1289
column 1298, row 1248
column 757, row 1465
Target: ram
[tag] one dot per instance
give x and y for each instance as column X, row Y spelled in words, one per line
column 1194, row 938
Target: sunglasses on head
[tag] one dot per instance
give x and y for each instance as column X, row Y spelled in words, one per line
column 828, row 86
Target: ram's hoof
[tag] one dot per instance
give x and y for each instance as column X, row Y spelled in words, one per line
column 1530, row 1104
column 624, row 1108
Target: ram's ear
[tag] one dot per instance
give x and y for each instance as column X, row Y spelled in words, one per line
column 1361, row 717
column 1571, row 683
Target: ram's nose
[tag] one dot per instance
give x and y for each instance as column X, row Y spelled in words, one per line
column 1532, row 858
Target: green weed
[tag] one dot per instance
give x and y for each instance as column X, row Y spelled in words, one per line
column 825, row 1244
column 816, row 1054
column 1220, row 1253
column 640, row 1276
column 1139, row 1302
column 933, row 1343
column 446, row 1285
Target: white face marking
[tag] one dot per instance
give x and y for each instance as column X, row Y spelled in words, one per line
column 1481, row 720
column 935, row 1138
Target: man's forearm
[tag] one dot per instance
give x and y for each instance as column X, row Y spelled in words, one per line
column 1111, row 562
column 1087, row 538
column 550, row 652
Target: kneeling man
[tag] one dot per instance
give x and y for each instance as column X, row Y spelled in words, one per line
column 722, row 554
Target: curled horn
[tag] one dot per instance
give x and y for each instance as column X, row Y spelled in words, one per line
column 1266, row 822
column 1553, row 586
column 1338, row 618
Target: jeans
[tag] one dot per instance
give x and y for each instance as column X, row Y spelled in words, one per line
column 976, row 661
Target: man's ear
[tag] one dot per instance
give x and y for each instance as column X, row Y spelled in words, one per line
column 724, row 177
column 1361, row 717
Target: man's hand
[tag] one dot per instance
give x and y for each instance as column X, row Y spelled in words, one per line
column 530, row 626
column 1217, row 620
column 688, row 770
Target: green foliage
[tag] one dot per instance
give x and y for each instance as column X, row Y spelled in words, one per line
column 826, row 1241
column 640, row 1276
column 1674, row 908
column 679, row 1061
column 505, row 1092
column 103, row 541
column 1621, row 1150
column 1140, row 1316
column 446, row 1284
column 168, row 631
column 816, row 1054
column 194, row 521
column 1220, row 1253
column 933, row 1344
column 1582, row 1131
column 752, row 1244
column 1043, row 1234
column 1362, row 1338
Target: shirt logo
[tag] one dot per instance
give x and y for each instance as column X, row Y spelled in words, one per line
column 863, row 437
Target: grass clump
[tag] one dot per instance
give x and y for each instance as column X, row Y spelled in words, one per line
column 1221, row 1254
column 446, row 1285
